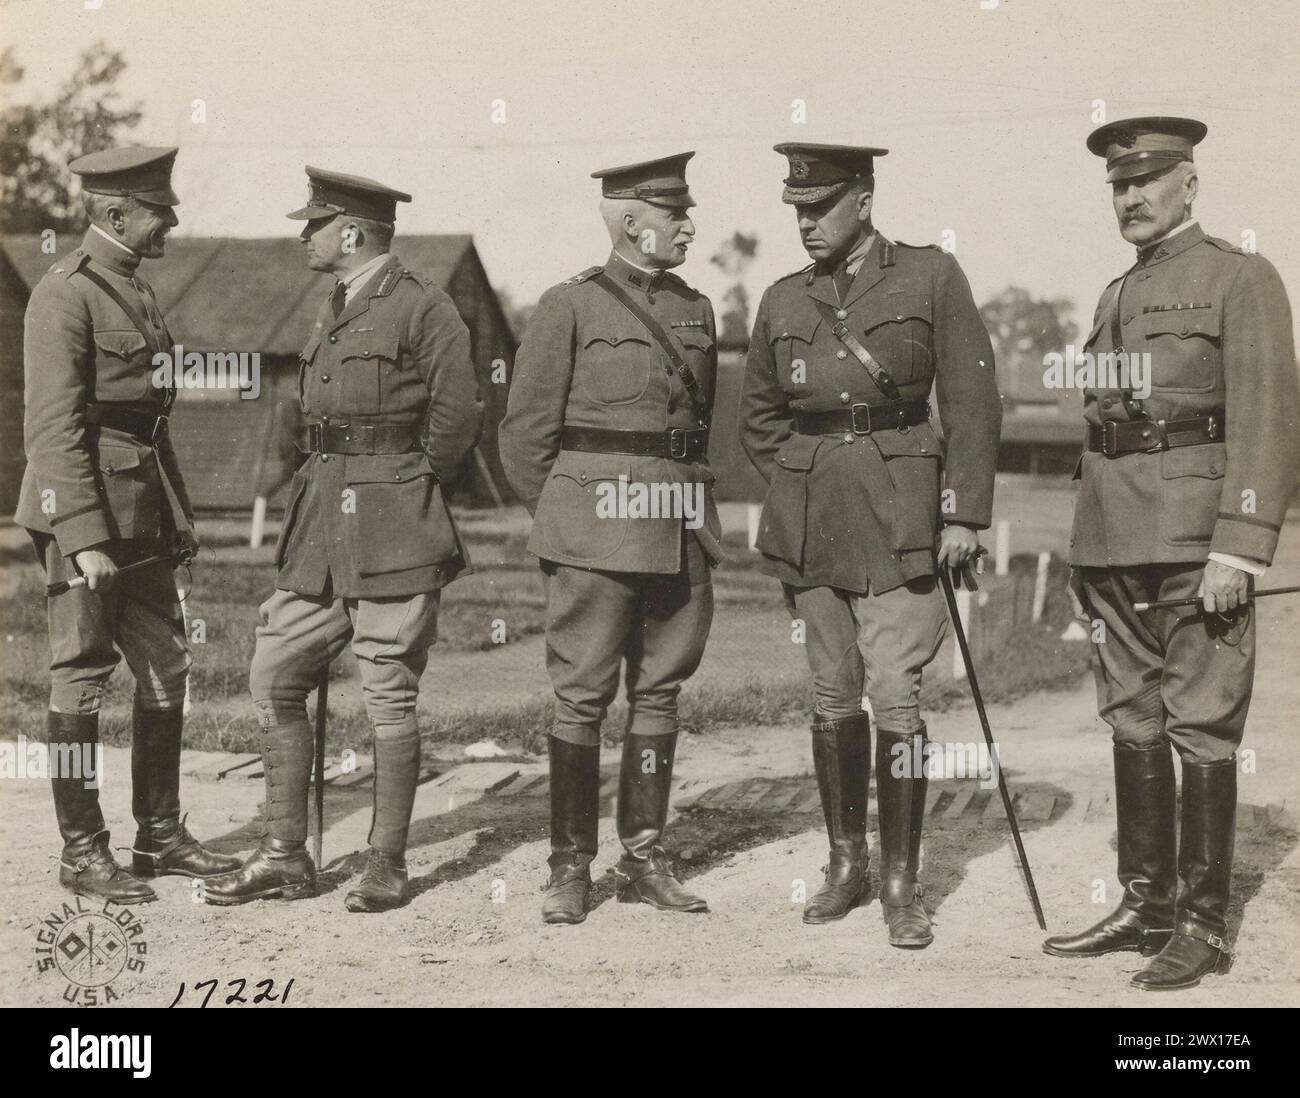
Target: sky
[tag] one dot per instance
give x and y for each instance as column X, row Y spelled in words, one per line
column 493, row 114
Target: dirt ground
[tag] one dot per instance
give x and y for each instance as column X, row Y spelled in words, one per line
column 745, row 832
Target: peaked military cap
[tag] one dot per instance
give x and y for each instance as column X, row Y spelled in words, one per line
column 137, row 170
column 661, row 182
column 330, row 193
column 819, row 171
column 1139, row 146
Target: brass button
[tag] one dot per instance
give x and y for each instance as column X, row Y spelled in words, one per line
column 334, row 339
column 1186, row 330
column 784, row 334
column 365, row 354
column 841, row 354
column 324, row 457
column 582, row 476
column 899, row 316
column 844, row 398
column 848, row 437
column 840, row 314
column 324, row 377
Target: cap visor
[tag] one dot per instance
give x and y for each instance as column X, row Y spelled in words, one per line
column 163, row 196
column 1138, row 168
column 311, row 213
column 802, row 196
column 672, row 201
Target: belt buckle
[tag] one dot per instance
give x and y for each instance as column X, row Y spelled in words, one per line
column 1212, row 426
column 853, row 419
column 314, row 439
column 676, row 435
column 1110, row 437
column 366, row 432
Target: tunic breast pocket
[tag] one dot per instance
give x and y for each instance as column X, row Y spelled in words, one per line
column 901, row 326
column 792, row 351
column 618, row 364
column 123, row 365
column 1184, row 348
column 363, row 364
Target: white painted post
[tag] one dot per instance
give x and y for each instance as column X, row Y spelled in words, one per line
column 963, row 612
column 258, row 526
column 1002, row 548
column 753, row 512
column 1040, row 584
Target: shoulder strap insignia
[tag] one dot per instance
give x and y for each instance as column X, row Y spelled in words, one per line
column 589, row 273
column 886, row 252
column 1224, row 246
column 72, row 264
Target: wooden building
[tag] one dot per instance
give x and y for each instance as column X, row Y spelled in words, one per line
column 230, row 295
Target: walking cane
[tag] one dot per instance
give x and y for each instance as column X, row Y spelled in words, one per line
column 960, row 632
column 322, row 696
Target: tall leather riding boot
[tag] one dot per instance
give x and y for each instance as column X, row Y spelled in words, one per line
column 163, row 846
column 397, row 767
column 280, row 866
column 87, row 865
column 644, row 784
column 1205, row 853
column 842, row 760
column 900, row 803
column 575, row 809
column 1145, row 844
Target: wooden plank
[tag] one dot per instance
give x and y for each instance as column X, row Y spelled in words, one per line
column 363, row 773
column 958, row 804
column 932, row 795
column 1035, row 806
column 811, row 801
column 755, row 792
column 782, row 795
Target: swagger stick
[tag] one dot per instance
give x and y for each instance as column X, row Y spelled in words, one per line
column 1165, row 604
column 953, row 613
column 322, row 697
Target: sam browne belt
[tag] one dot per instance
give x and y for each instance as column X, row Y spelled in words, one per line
column 364, row 438
column 863, row 419
column 1113, row 438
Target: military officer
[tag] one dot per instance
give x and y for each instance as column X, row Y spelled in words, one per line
column 834, row 416
column 389, row 391
column 103, row 490
column 613, row 386
column 1182, row 494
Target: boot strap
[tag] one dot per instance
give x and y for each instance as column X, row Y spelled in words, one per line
column 1190, row 930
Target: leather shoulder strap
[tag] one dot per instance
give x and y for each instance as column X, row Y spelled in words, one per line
column 661, row 337
column 841, row 331
column 133, row 314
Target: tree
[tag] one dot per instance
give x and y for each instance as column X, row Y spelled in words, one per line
column 1023, row 330
column 38, row 140
column 734, row 258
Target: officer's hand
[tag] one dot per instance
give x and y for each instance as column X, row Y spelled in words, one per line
column 1075, row 590
column 1223, row 587
column 97, row 567
column 187, row 544
column 957, row 545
